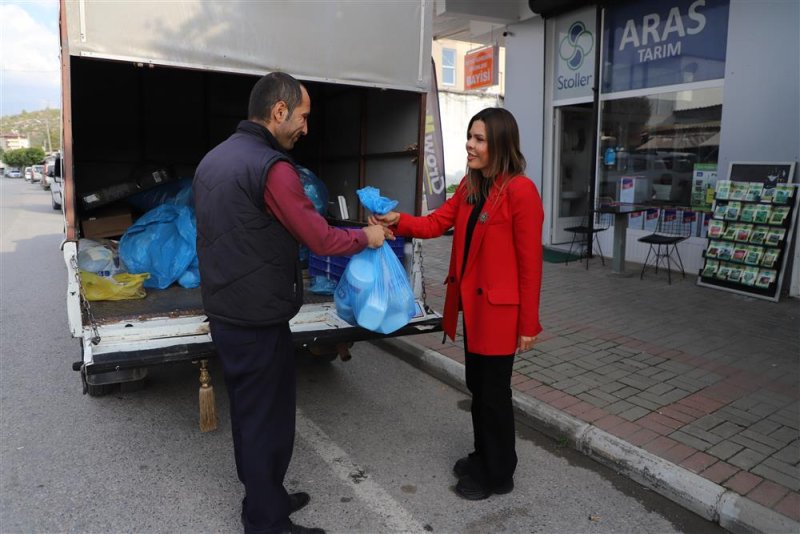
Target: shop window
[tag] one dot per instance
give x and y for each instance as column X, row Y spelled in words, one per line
column 657, row 142
column 448, row 66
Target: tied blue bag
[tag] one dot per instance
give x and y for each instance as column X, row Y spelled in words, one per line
column 162, row 242
column 374, row 292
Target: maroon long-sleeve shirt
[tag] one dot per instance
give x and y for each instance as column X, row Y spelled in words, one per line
column 286, row 200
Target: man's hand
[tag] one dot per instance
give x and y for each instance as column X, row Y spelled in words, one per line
column 376, row 235
column 388, row 219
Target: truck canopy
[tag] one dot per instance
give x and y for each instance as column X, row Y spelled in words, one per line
column 377, row 44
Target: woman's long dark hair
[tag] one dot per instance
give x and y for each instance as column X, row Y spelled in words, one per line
column 505, row 158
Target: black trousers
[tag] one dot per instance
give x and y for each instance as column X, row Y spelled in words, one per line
column 259, row 369
column 489, row 382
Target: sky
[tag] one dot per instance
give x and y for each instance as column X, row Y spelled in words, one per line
column 30, row 77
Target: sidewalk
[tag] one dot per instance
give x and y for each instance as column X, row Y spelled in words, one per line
column 692, row 391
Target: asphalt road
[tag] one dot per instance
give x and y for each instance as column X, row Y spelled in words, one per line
column 376, row 438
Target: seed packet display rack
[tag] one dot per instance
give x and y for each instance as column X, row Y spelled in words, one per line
column 751, row 230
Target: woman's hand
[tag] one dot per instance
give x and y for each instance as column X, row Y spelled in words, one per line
column 525, row 343
column 389, row 219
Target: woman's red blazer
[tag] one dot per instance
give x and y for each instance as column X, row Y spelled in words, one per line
column 500, row 286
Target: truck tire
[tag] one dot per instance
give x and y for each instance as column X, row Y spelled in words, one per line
column 100, row 390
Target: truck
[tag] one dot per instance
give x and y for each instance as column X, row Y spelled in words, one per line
column 157, row 85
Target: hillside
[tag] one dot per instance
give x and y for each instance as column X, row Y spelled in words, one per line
column 34, row 125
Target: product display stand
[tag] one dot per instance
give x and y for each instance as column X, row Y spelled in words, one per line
column 751, row 230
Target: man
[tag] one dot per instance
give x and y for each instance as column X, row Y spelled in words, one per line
column 252, row 213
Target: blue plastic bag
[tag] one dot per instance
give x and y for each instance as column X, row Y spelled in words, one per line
column 178, row 192
column 317, row 193
column 162, row 242
column 374, row 291
column 371, row 198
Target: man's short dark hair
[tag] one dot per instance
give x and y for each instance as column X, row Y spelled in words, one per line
column 270, row 90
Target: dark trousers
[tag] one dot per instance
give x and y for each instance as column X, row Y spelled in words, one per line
column 259, row 369
column 489, row 382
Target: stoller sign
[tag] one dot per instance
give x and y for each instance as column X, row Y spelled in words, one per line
column 480, row 68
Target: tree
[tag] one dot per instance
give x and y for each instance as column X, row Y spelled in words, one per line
column 23, row 157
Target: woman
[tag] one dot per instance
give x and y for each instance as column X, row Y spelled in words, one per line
column 494, row 278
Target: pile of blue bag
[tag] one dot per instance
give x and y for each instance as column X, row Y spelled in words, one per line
column 162, row 242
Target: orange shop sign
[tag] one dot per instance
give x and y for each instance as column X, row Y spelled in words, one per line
column 480, row 68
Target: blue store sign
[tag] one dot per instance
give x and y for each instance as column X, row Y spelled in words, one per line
column 653, row 43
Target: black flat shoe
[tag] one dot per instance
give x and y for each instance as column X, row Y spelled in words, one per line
column 464, row 466
column 298, row 500
column 299, row 529
column 472, row 490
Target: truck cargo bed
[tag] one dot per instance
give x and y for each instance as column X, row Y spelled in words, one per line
column 175, row 301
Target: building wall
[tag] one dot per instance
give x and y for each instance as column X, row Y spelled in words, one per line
column 760, row 112
column 761, row 99
column 524, row 97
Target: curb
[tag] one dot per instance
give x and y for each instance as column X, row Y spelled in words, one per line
column 711, row 501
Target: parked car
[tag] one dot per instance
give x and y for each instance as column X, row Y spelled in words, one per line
column 39, row 176
column 52, row 173
column 13, row 172
column 28, row 174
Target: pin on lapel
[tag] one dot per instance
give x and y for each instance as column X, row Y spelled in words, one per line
column 483, row 217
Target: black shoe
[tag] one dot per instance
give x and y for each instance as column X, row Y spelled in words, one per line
column 470, row 489
column 464, row 466
column 297, row 529
column 298, row 500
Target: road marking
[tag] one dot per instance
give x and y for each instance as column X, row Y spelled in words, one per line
column 395, row 517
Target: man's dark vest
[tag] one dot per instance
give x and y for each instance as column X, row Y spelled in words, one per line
column 248, row 261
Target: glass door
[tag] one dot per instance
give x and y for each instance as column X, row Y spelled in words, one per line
column 572, row 150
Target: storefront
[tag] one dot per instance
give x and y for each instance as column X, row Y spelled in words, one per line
column 686, row 88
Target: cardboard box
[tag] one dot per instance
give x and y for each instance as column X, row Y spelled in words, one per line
column 107, row 222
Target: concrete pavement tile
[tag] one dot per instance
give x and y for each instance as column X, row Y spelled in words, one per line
column 611, row 387
column 713, row 421
column 690, row 440
column 753, row 444
column 767, row 493
column 719, row 472
column 659, row 445
column 681, row 412
column 608, row 422
column 637, row 381
column 777, row 471
column 660, row 389
column 789, row 454
column 678, row 415
column 765, row 427
column 564, row 401
column 784, row 434
column 742, row 482
column 698, row 462
column 738, row 417
column 667, row 398
column 789, row 420
column 634, row 413
column 618, row 407
column 678, row 453
column 644, row 403
column 761, row 438
column 725, row 449
column 790, row 506
column 701, row 434
column 747, row 459
column 589, row 397
column 639, row 438
column 626, row 392
column 625, row 429
column 595, row 414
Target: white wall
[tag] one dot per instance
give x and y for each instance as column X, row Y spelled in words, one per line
column 761, row 101
column 525, row 53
